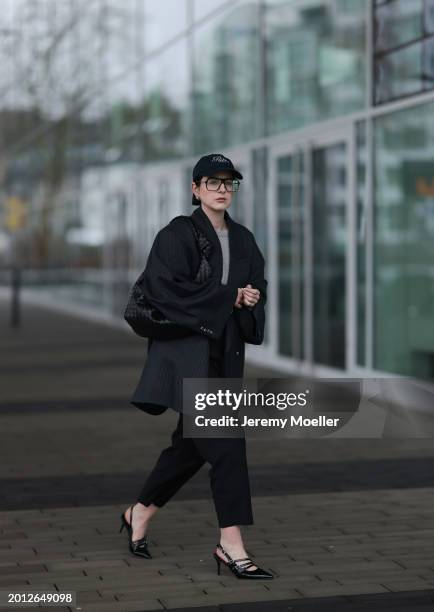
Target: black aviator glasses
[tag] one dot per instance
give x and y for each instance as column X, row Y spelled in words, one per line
column 213, row 184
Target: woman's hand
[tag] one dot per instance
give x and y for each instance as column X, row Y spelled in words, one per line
column 250, row 296
column 239, row 300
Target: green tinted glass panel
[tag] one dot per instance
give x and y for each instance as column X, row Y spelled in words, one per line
column 290, row 196
column 329, row 250
column 315, row 61
column 404, row 243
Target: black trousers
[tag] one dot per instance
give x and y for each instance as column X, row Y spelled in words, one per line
column 229, row 476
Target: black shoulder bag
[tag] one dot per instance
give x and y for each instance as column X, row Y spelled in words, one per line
column 148, row 321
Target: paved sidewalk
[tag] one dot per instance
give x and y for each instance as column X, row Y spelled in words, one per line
column 344, row 524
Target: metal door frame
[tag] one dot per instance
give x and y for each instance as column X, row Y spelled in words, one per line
column 344, row 133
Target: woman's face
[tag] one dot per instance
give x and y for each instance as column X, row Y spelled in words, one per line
column 216, row 200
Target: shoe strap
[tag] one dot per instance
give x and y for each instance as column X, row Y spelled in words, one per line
column 244, row 565
column 235, row 562
column 225, row 553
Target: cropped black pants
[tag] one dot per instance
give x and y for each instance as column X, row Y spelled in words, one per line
column 229, row 476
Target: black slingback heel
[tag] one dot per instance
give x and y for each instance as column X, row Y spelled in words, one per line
column 138, row 547
column 240, row 569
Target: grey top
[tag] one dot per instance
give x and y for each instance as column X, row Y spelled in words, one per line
column 223, row 236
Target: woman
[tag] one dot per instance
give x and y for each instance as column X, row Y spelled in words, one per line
column 221, row 314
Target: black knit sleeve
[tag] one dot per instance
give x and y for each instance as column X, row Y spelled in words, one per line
column 251, row 320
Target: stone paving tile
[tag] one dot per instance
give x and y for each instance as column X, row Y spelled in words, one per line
column 214, row 599
column 139, row 605
column 335, row 589
column 412, row 584
column 397, row 578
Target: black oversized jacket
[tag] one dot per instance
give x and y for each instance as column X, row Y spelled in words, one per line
column 207, row 309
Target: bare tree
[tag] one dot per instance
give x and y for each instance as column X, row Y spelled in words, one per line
column 61, row 55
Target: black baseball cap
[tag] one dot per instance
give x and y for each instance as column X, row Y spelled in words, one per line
column 208, row 165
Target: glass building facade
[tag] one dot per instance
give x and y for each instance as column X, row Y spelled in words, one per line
column 327, row 107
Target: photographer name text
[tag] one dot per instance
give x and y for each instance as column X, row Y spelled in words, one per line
column 294, row 421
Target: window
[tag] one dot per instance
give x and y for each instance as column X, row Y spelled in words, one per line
column 403, row 48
